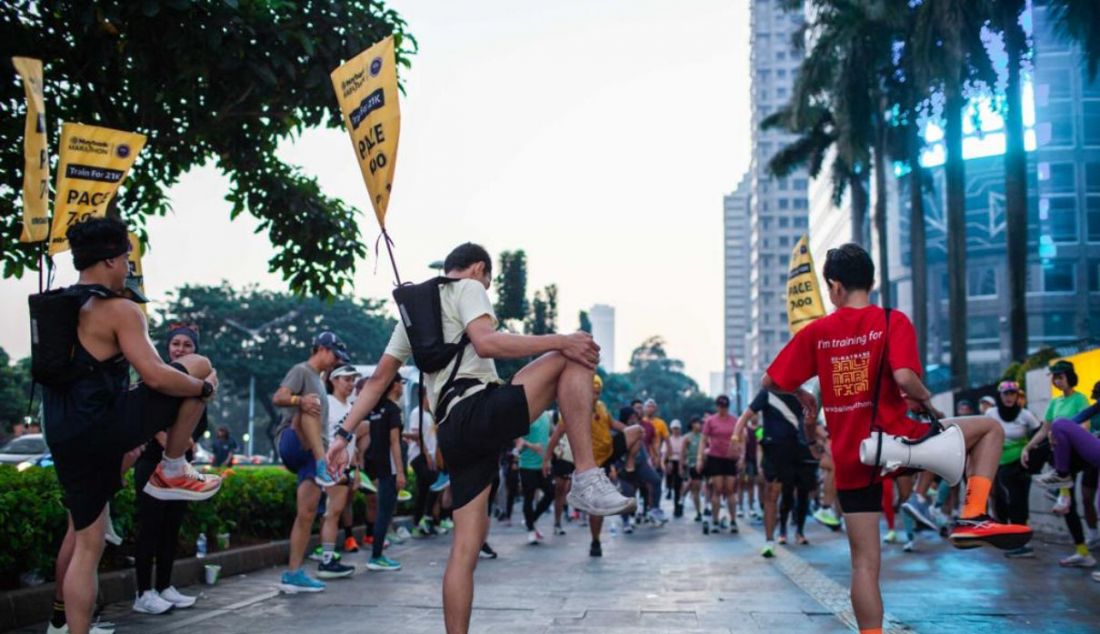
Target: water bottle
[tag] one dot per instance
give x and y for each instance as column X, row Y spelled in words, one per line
column 200, row 546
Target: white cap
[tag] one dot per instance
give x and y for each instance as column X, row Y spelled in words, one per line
column 675, row 424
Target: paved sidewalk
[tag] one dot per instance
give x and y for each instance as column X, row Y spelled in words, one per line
column 670, row 579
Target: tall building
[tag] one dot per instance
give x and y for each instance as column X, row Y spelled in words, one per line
column 1062, row 114
column 778, row 208
column 602, row 317
column 736, row 249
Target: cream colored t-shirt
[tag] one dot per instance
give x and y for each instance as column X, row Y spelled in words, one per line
column 462, row 302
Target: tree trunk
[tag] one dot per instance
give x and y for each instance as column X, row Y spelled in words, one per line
column 955, row 172
column 884, row 291
column 858, row 207
column 917, row 244
column 1016, row 192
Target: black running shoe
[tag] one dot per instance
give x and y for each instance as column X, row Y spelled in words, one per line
column 595, row 550
column 487, row 552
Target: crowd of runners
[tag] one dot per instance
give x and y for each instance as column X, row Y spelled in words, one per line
column 477, row 446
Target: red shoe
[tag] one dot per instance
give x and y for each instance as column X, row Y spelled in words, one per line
column 190, row 486
column 350, row 545
column 983, row 531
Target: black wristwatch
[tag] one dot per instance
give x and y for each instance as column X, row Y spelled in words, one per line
column 207, row 389
column 345, row 434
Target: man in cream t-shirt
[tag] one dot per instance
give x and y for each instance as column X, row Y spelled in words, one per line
column 485, row 414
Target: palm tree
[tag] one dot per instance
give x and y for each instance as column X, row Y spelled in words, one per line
column 1079, row 20
column 949, row 52
column 1006, row 19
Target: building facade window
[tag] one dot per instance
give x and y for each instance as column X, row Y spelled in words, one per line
column 981, row 283
column 1058, row 277
column 1062, row 215
column 1092, row 212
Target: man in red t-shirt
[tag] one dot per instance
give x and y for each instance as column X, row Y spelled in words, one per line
column 845, row 351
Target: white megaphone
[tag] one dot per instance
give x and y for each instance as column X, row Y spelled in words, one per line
column 943, row 454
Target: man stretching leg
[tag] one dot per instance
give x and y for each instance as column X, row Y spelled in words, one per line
column 488, row 414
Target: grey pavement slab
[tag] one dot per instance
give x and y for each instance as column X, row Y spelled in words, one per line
column 670, row 579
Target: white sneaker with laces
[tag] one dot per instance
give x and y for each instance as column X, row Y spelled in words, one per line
column 532, row 538
column 1078, row 561
column 599, row 497
column 404, row 533
column 173, row 596
column 150, row 603
column 1051, row 480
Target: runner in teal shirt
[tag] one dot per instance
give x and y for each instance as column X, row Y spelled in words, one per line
column 539, row 434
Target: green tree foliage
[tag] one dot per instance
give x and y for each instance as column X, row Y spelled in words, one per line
column 653, row 374
column 253, row 332
column 542, row 319
column 208, row 82
column 511, row 285
column 585, row 324
column 1079, row 20
column 15, row 385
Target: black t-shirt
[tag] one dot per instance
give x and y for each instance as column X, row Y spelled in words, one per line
column 783, row 416
column 384, row 417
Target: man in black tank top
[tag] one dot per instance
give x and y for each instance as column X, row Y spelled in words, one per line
column 94, row 420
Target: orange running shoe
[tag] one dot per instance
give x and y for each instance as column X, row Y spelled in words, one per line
column 983, row 531
column 350, row 545
column 190, row 486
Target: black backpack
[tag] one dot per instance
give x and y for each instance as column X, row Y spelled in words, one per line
column 422, row 315
column 54, row 318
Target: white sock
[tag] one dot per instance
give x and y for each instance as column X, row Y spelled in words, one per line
column 174, row 467
column 583, row 478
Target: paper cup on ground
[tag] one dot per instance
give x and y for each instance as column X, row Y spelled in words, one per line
column 213, row 573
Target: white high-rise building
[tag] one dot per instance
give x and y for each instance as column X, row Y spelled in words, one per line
column 602, row 317
column 778, row 208
column 735, row 223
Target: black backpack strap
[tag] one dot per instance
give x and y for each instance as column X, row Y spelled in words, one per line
column 885, row 361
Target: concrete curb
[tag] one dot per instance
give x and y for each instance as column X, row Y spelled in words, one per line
column 27, row 606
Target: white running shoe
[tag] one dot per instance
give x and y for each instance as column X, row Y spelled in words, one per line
column 173, row 596
column 600, row 497
column 64, row 629
column 151, row 603
column 1078, row 561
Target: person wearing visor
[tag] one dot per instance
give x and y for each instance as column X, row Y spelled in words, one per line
column 1013, row 483
column 92, row 421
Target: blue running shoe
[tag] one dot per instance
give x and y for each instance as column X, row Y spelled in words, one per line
column 442, row 481
column 920, row 510
column 299, row 581
column 323, row 478
column 383, row 563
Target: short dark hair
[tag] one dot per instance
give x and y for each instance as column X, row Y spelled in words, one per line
column 636, row 401
column 466, row 255
column 851, row 266
column 97, row 239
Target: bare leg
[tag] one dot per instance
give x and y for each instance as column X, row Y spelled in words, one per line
column 308, row 496
column 81, row 582
column 471, row 529
column 863, row 540
column 595, row 526
column 771, row 497
column 337, row 500
column 553, row 377
column 985, row 439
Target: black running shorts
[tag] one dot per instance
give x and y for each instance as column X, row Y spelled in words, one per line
column 88, row 466
column 719, row 467
column 865, row 500
column 476, row 430
column 561, row 468
column 789, row 463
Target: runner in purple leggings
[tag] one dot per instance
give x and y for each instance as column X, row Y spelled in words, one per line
column 1069, row 437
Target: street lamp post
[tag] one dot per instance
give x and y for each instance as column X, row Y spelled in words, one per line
column 254, row 336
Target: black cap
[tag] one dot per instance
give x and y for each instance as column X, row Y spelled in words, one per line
column 1061, row 367
column 328, row 339
column 722, row 401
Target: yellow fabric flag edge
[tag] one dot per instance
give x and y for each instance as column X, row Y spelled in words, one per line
column 366, row 89
column 36, row 155
column 804, row 303
column 93, row 164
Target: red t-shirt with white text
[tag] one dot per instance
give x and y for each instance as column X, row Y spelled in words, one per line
column 844, row 350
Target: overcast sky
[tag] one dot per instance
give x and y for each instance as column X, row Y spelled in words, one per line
column 597, row 135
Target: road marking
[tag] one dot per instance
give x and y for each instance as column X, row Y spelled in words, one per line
column 263, row 596
column 831, row 595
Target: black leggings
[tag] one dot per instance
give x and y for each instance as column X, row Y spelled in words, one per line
column 158, row 536
column 675, row 481
column 1010, row 493
column 532, row 480
column 796, row 496
column 511, row 490
column 387, row 502
column 425, row 499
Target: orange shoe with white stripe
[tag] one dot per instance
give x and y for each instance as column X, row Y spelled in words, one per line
column 983, row 531
column 190, row 486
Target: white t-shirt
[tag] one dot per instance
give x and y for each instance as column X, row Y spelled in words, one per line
column 336, row 413
column 429, row 436
column 1018, row 429
column 462, row 302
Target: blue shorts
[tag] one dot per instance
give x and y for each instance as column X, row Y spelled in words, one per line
column 296, row 457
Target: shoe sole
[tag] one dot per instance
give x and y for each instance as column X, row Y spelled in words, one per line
column 1007, row 541
column 325, row 484
column 143, row 611
column 919, row 518
column 377, row 568
column 172, row 494
column 292, row 589
column 335, row 575
column 629, row 505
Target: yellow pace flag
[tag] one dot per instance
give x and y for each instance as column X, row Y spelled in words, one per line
column 94, row 162
column 803, row 293
column 135, row 278
column 36, row 156
column 366, row 87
